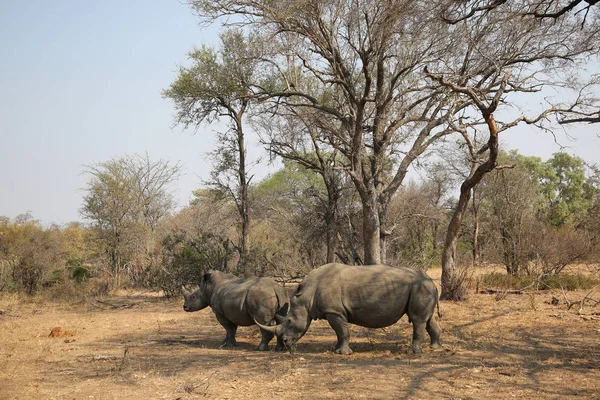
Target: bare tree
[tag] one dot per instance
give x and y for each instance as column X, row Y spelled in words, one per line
column 151, row 180
column 508, row 52
column 457, row 11
column 125, row 198
column 364, row 65
column 360, row 65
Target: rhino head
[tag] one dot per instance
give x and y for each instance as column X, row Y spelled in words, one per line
column 295, row 323
column 198, row 300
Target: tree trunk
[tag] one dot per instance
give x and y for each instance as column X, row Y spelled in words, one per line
column 449, row 279
column 450, row 283
column 331, row 231
column 371, row 233
column 475, row 230
column 331, row 215
column 383, row 235
column 510, row 253
column 115, row 259
column 243, row 200
column 383, row 247
column 331, row 244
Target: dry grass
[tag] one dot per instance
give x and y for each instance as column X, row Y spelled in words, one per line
column 132, row 346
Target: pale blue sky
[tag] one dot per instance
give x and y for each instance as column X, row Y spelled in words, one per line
column 81, row 81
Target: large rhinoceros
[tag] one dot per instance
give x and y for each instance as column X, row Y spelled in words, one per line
column 239, row 302
column 374, row 296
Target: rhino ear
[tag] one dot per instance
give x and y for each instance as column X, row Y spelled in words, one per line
column 207, row 275
column 299, row 290
column 280, row 315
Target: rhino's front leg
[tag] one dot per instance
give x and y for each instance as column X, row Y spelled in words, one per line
column 266, row 338
column 280, row 345
column 230, row 328
column 340, row 326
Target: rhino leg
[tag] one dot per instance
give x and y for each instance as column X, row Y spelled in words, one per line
column 434, row 331
column 230, row 328
column 340, row 326
column 266, row 338
column 418, row 337
column 280, row 345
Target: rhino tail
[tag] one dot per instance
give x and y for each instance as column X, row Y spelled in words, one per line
column 437, row 303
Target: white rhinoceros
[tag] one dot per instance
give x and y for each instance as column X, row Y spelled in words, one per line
column 373, row 296
column 239, row 302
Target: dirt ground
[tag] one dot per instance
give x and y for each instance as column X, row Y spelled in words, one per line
column 140, row 346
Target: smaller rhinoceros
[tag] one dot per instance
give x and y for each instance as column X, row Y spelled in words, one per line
column 373, row 296
column 239, row 302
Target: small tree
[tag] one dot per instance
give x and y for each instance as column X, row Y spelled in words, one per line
column 125, row 199
column 567, row 194
column 525, row 205
column 217, row 86
column 513, row 199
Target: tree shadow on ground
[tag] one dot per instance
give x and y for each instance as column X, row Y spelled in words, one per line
column 516, row 362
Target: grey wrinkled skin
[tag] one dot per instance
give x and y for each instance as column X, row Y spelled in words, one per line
column 239, row 302
column 373, row 296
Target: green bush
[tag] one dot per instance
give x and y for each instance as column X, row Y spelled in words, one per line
column 185, row 259
column 80, row 274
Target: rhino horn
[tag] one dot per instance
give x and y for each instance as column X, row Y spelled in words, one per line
column 269, row 328
column 185, row 291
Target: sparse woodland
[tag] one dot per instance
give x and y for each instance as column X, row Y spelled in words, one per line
column 386, row 119
column 351, row 96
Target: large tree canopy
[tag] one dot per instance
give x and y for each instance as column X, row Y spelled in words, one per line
column 388, row 80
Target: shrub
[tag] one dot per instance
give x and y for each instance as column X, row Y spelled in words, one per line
column 29, row 254
column 28, row 273
column 80, row 273
column 459, row 284
column 70, row 289
column 565, row 281
column 559, row 248
column 185, row 259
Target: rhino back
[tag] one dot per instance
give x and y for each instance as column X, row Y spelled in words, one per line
column 373, row 296
column 245, row 299
column 265, row 298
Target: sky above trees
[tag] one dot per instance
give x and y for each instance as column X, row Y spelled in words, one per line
column 81, row 83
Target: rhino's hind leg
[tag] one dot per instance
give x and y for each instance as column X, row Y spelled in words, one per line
column 340, row 326
column 434, row 330
column 230, row 328
column 418, row 337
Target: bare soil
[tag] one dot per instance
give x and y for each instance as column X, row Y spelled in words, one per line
column 134, row 345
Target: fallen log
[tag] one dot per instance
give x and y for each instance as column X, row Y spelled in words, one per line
column 503, row 291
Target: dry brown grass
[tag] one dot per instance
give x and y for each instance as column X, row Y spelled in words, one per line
column 133, row 346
